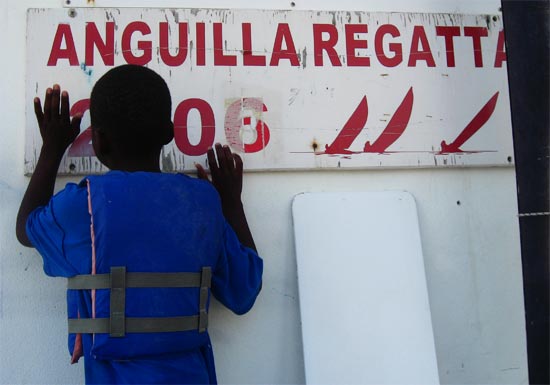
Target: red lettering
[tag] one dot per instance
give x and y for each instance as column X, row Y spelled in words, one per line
column 219, row 58
column 63, row 33
column 283, row 34
column 208, row 127
column 105, row 48
column 420, row 48
column 145, row 46
column 352, row 44
column 395, row 48
column 250, row 59
column 201, row 44
column 500, row 56
column 234, row 121
column 476, row 33
column 164, row 43
column 320, row 45
column 448, row 33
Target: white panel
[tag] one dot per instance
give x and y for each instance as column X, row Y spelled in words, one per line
column 389, row 90
column 363, row 295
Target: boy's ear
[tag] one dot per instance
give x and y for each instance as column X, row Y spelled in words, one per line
column 168, row 134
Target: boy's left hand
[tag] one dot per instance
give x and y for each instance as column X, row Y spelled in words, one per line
column 227, row 178
column 57, row 129
column 226, row 172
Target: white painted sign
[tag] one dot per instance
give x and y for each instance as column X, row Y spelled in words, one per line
column 290, row 89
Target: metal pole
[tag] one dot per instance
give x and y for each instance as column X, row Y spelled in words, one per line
column 526, row 25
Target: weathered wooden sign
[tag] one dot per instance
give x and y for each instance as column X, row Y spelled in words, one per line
column 290, row 89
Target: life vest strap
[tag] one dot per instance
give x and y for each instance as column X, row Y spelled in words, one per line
column 117, row 303
column 206, row 277
column 117, row 325
column 137, row 280
column 136, row 325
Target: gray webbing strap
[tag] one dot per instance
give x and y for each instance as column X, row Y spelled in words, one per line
column 136, row 280
column 117, row 302
column 136, row 325
column 117, row 325
column 206, row 277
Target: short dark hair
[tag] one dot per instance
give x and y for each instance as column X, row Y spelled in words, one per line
column 132, row 105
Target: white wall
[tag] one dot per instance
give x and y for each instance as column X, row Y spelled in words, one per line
column 471, row 249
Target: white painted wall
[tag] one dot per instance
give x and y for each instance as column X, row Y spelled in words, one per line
column 472, row 251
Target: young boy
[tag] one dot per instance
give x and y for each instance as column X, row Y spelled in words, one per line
column 140, row 248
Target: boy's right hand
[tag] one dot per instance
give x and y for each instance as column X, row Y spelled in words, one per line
column 226, row 172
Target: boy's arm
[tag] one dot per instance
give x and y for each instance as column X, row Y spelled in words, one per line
column 58, row 132
column 227, row 177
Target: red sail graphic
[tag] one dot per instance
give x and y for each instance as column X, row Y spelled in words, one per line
column 477, row 122
column 351, row 129
column 396, row 126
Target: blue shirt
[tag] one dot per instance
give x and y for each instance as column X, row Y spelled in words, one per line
column 165, row 212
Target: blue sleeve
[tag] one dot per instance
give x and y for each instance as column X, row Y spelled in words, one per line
column 47, row 230
column 237, row 278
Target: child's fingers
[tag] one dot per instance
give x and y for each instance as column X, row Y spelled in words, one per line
column 75, row 127
column 64, row 105
column 212, row 164
column 225, row 158
column 230, row 165
column 238, row 163
column 54, row 106
column 75, row 122
column 38, row 111
column 200, row 172
column 47, row 104
column 220, row 154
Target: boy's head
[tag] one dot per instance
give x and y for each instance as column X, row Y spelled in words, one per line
column 130, row 110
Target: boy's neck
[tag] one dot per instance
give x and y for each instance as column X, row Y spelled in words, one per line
column 133, row 165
